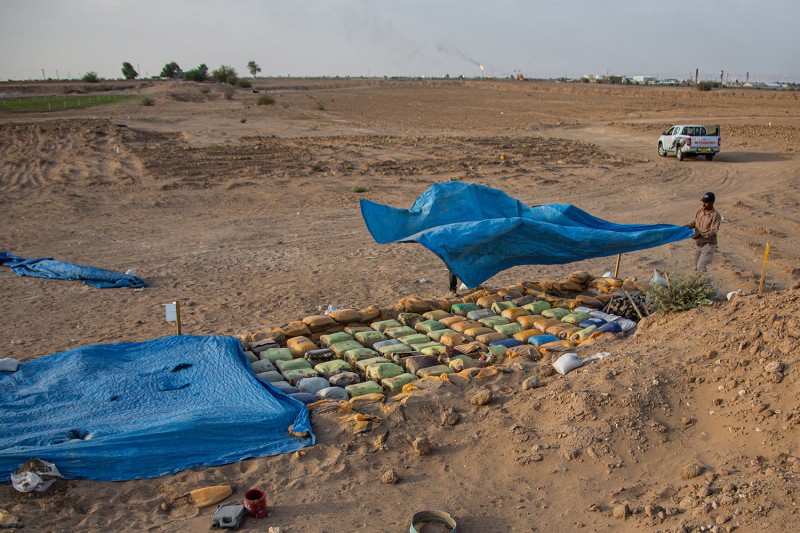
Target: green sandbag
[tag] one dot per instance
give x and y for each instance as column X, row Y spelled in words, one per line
column 437, row 334
column 329, row 368
column 536, row 308
column 461, row 309
column 477, row 314
column 395, row 384
column 409, row 319
column 364, row 363
column 436, row 370
column 359, row 354
column 383, row 325
column 368, row 338
column 508, row 329
column 576, row 317
column 277, row 354
column 384, row 370
column 333, row 338
column 492, row 321
column 340, row 347
column 285, row 365
column 429, row 325
column 556, row 312
column 416, row 338
column 499, row 307
column 400, row 331
column 360, row 389
column 352, row 330
column 293, row 376
column 432, row 348
column 387, row 349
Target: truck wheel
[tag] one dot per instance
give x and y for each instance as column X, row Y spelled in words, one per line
column 679, row 154
column 709, row 157
column 661, row 151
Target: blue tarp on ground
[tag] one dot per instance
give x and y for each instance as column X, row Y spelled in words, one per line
column 47, row 267
column 140, row 410
column 479, row 231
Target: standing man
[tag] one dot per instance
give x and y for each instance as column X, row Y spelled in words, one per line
column 705, row 226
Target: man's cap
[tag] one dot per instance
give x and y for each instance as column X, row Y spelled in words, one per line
column 708, row 197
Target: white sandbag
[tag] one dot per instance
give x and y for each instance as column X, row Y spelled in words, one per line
column 333, row 393
column 567, row 362
column 605, row 316
column 312, row 385
column 8, row 364
column 625, row 324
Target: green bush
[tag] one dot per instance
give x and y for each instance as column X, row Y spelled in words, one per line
column 197, row 74
column 147, row 101
column 360, row 188
column 265, row 99
column 204, row 90
column 90, row 77
column 704, row 86
column 684, row 293
column 243, row 83
column 228, row 93
column 225, row 74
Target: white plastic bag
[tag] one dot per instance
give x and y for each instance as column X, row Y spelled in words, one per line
column 658, row 279
column 35, row 475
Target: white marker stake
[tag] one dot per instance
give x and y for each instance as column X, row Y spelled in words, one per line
column 174, row 315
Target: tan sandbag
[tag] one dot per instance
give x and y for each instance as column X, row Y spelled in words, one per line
column 453, row 339
column 511, row 293
column 570, row 286
column 488, row 338
column 415, row 304
column 526, row 350
column 580, row 277
column 462, row 327
column 449, row 320
column 345, row 316
column 478, row 330
column 369, row 314
column 543, row 323
column 473, row 348
column 297, row 328
column 528, row 321
column 318, row 322
column 487, row 301
column 589, row 301
column 299, row 346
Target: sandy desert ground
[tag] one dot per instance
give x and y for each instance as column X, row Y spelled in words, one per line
column 247, row 215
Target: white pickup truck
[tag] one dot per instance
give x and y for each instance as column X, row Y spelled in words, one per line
column 690, row 141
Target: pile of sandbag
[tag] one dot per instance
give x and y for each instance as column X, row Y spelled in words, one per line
column 348, row 353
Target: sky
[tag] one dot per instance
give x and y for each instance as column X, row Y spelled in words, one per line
column 738, row 39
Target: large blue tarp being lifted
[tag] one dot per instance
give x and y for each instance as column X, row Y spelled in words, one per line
column 47, row 267
column 140, row 410
column 479, row 231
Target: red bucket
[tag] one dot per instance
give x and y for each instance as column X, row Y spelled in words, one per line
column 255, row 501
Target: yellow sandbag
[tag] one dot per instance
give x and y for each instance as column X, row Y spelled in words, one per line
column 524, row 335
column 208, row 496
column 514, row 313
column 450, row 320
column 453, row 339
column 296, row 328
column 299, row 346
column 488, row 338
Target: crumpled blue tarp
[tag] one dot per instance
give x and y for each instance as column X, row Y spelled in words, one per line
column 479, row 231
column 47, row 267
column 144, row 409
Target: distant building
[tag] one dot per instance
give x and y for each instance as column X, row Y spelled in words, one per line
column 643, row 80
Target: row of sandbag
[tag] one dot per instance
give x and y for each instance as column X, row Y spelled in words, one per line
column 466, row 336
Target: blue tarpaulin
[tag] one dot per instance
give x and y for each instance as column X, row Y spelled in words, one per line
column 47, row 267
column 140, row 410
column 479, row 231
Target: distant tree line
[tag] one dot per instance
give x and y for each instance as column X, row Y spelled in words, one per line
column 173, row 71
